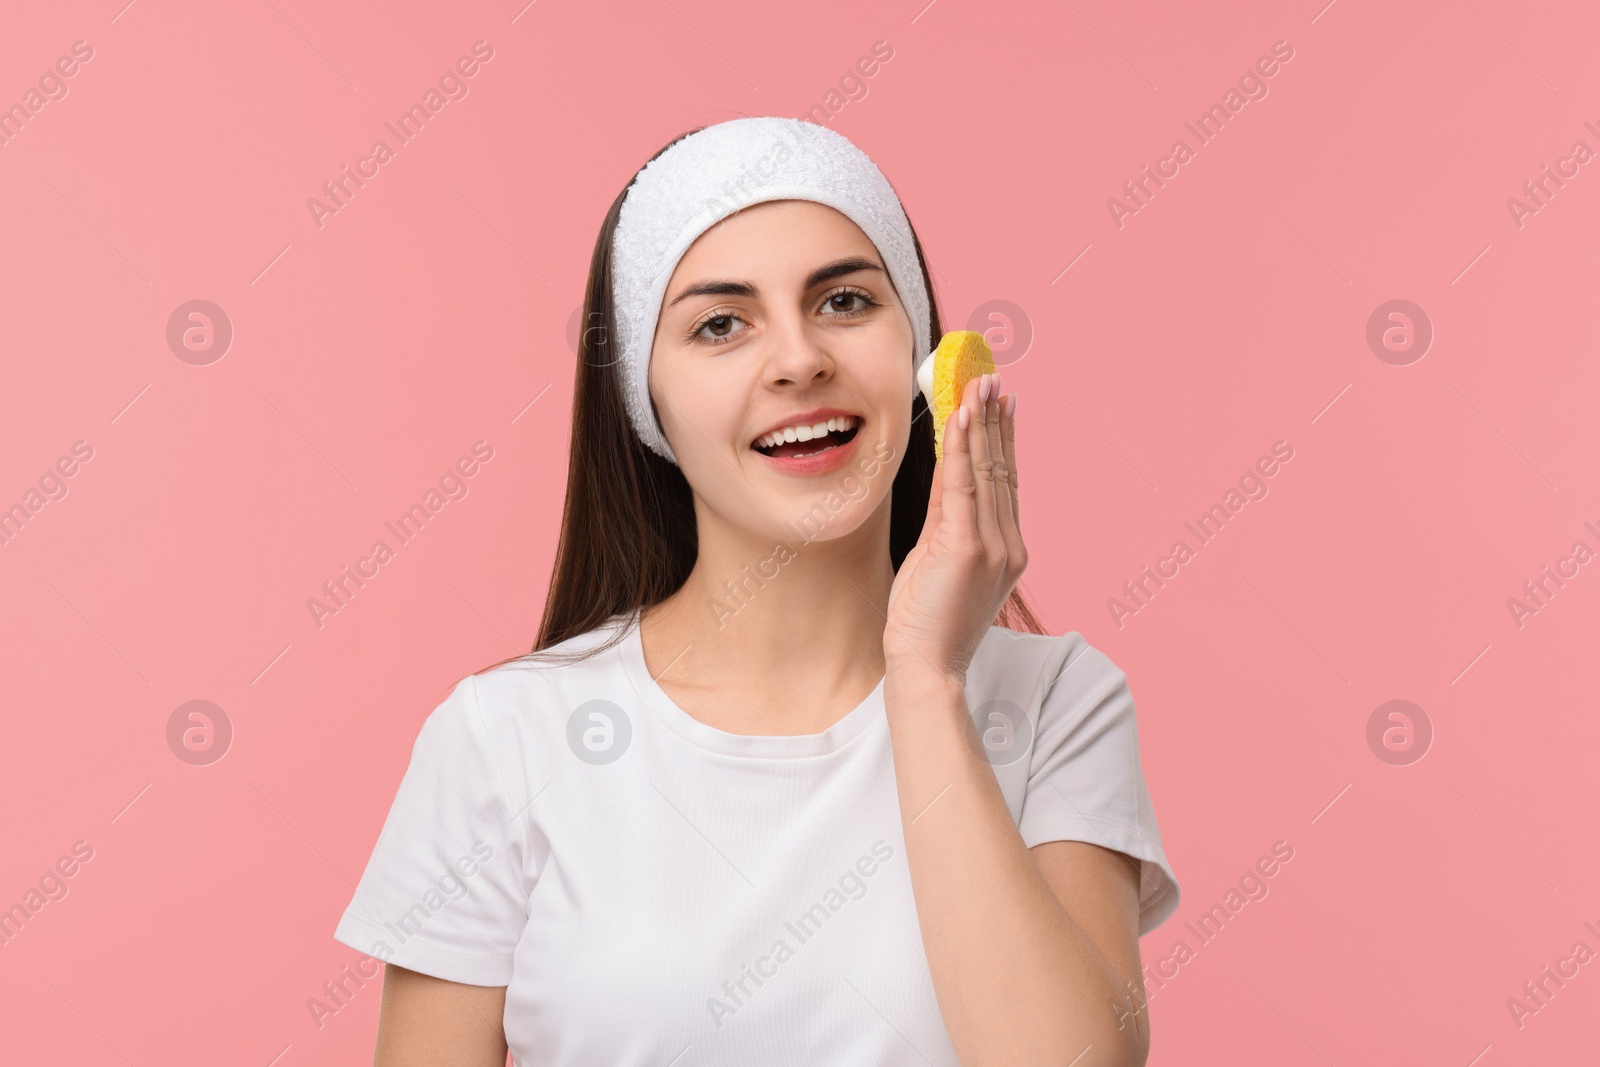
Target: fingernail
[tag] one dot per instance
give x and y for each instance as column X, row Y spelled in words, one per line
column 963, row 418
column 983, row 389
column 996, row 383
column 1013, row 405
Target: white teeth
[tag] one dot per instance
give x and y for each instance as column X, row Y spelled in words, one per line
column 805, row 433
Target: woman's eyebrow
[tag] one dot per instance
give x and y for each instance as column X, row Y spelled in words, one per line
column 849, row 265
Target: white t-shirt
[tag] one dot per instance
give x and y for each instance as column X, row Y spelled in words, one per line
column 653, row 890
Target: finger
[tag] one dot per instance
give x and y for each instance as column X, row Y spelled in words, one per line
column 1000, row 474
column 1010, row 500
column 986, row 459
column 935, row 503
column 994, row 423
column 959, row 491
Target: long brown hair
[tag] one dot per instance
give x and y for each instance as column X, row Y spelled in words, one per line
column 628, row 537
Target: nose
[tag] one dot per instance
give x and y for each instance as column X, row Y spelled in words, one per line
column 797, row 353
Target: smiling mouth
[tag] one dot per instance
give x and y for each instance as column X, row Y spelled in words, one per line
column 795, row 449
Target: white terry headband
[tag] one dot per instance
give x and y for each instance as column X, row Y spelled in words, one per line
column 719, row 170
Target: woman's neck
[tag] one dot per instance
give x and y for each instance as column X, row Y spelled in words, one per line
column 785, row 629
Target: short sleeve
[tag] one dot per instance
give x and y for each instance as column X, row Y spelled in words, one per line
column 1085, row 782
column 443, row 893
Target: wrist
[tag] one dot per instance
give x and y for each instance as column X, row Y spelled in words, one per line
column 920, row 682
column 926, row 707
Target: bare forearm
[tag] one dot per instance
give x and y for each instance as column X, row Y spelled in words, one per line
column 1017, row 979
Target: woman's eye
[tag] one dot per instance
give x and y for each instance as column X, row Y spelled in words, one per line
column 718, row 329
column 849, row 303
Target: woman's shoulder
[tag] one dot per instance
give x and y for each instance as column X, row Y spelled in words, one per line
column 518, row 710
column 527, row 687
column 1015, row 647
column 577, row 653
column 1040, row 661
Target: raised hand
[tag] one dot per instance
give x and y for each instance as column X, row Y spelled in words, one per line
column 970, row 555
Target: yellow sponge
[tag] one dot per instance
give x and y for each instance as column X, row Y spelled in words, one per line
column 962, row 355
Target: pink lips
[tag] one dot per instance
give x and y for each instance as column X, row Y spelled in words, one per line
column 817, row 463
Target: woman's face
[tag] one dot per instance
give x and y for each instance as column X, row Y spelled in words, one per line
column 801, row 323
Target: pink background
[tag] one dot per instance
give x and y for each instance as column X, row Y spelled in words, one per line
column 1229, row 313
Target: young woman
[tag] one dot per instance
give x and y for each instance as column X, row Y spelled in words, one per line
column 792, row 775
